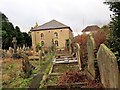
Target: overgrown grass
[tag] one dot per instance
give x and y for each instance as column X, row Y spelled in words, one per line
column 42, row 83
column 13, row 76
column 61, row 68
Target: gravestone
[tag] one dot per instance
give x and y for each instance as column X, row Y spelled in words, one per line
column 78, row 55
column 40, row 56
column 14, row 41
column 8, row 54
column 108, row 67
column 26, row 66
column 18, row 49
column 11, row 50
column 1, row 53
column 4, row 53
column 91, row 56
column 23, row 47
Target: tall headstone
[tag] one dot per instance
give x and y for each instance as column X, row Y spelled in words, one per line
column 11, row 50
column 14, row 41
column 108, row 67
column 78, row 55
column 91, row 56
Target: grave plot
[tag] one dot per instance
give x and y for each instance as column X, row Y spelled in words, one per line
column 61, row 68
column 68, row 75
column 65, row 73
column 65, row 59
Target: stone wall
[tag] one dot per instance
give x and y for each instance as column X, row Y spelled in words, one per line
column 108, row 67
column 63, row 34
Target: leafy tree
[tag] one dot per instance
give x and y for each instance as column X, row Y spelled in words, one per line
column 7, row 34
column 27, row 39
column 114, row 39
column 8, row 31
column 19, row 36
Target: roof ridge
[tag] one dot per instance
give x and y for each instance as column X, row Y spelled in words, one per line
column 51, row 24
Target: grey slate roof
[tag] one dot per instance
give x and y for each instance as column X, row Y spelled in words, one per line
column 53, row 24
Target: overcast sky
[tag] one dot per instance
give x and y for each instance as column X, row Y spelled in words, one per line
column 75, row 13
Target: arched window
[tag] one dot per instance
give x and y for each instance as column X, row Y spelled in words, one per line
column 56, row 35
column 42, row 35
column 42, row 43
column 56, row 43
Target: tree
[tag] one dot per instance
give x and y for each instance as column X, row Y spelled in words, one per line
column 19, row 36
column 8, row 32
column 27, row 39
column 114, row 38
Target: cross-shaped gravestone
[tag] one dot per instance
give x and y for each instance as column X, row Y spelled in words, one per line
column 14, row 41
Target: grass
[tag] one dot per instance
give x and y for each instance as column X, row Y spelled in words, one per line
column 12, row 75
column 61, row 68
column 42, row 83
column 11, row 70
column 52, row 80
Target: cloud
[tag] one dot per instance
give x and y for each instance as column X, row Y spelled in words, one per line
column 77, row 14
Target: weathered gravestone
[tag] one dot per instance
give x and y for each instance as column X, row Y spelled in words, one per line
column 26, row 66
column 4, row 53
column 108, row 67
column 1, row 53
column 14, row 41
column 15, row 54
column 91, row 57
column 40, row 56
column 10, row 52
column 78, row 54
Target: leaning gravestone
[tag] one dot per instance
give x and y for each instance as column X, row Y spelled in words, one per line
column 91, row 56
column 108, row 67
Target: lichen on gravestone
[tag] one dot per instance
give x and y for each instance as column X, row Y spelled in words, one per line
column 91, row 56
column 108, row 67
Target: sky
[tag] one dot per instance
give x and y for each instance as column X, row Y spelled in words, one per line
column 74, row 13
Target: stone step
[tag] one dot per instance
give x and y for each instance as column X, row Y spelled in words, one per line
column 67, row 61
column 74, row 86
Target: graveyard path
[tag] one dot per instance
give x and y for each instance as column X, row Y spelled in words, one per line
column 35, row 83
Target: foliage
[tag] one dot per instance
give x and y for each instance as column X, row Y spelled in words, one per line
column 39, row 45
column 27, row 39
column 101, row 36
column 83, row 45
column 114, row 38
column 71, row 77
column 67, row 42
column 8, row 32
